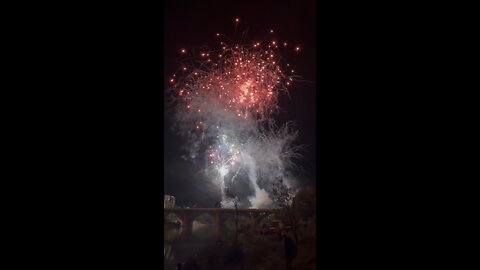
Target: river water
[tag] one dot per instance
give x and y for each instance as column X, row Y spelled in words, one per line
column 178, row 248
column 202, row 245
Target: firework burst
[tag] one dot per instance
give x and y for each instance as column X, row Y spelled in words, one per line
column 224, row 100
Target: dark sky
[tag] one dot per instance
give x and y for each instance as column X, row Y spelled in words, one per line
column 193, row 23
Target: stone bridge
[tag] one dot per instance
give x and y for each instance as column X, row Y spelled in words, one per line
column 219, row 215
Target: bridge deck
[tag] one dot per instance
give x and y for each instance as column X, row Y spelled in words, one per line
column 261, row 210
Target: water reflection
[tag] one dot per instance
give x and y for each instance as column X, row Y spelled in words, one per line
column 167, row 252
column 178, row 246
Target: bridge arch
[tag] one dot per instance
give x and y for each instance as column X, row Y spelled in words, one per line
column 205, row 217
column 265, row 218
column 172, row 216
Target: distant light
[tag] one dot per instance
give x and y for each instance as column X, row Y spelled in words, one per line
column 297, row 48
column 183, row 51
column 237, row 20
column 271, row 31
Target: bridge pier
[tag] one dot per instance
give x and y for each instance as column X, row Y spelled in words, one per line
column 187, row 223
column 252, row 221
column 217, row 221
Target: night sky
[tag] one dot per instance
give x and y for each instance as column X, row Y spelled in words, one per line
column 191, row 24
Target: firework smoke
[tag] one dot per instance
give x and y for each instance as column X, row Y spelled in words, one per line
column 223, row 105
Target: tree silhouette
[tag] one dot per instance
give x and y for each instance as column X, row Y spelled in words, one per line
column 283, row 197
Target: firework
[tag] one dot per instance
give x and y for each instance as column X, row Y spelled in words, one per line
column 243, row 80
column 224, row 101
